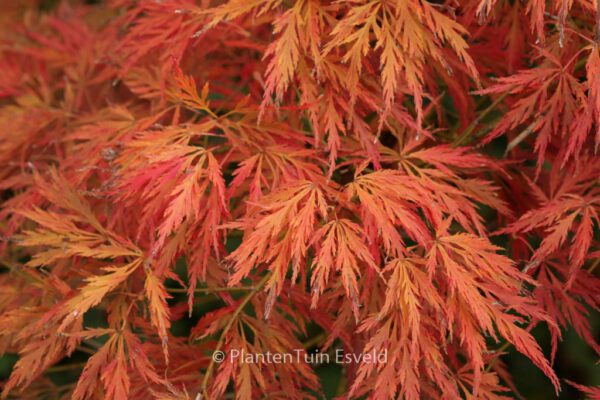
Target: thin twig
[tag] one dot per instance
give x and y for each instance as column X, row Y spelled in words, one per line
column 86, row 350
column 498, row 353
column 493, row 361
column 221, row 341
column 215, row 289
column 597, row 36
column 314, row 341
column 522, row 136
column 459, row 140
column 65, row 367
column 596, row 262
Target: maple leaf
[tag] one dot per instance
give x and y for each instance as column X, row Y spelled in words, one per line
column 114, row 374
column 296, row 170
column 284, row 53
column 86, row 385
column 419, row 22
column 95, row 289
column 489, row 387
column 407, row 287
column 184, row 184
column 591, row 392
column 282, row 226
column 276, row 165
column 389, row 198
column 475, row 272
column 550, row 96
column 35, row 357
column 157, row 297
column 341, row 249
column 182, row 204
column 558, row 213
column 567, row 305
column 188, row 93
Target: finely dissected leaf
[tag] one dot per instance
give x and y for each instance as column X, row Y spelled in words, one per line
column 474, row 271
column 114, row 374
column 388, row 199
column 157, row 298
column 401, row 178
column 592, row 393
column 571, row 209
column 279, row 233
column 341, row 249
column 95, row 289
column 86, row 385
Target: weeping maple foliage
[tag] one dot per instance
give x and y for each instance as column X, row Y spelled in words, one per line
column 286, row 175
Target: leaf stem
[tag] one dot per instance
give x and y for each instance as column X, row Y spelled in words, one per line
column 86, row 350
column 594, row 265
column 597, row 36
column 498, row 354
column 459, row 140
column 65, row 367
column 314, row 341
column 226, row 329
column 214, row 289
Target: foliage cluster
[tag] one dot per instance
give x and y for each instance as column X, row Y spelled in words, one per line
column 292, row 174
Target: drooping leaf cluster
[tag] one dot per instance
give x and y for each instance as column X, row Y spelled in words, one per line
column 320, row 173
